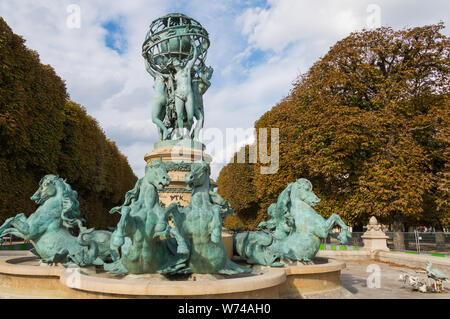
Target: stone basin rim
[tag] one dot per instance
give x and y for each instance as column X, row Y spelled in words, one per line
column 92, row 283
column 12, row 266
column 330, row 266
column 272, row 277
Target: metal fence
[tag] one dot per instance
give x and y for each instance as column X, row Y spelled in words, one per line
column 414, row 241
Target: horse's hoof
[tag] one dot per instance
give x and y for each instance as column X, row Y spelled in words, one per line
column 277, row 264
column 166, row 135
column 182, row 250
column 117, row 241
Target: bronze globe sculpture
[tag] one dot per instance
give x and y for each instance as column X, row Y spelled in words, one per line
column 170, row 37
column 174, row 50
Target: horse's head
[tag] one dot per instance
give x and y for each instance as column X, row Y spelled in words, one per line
column 304, row 192
column 199, row 174
column 52, row 186
column 47, row 188
column 156, row 174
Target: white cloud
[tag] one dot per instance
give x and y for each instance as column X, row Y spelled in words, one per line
column 287, row 21
column 284, row 22
column 287, row 35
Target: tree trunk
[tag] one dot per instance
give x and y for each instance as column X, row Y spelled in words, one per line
column 406, row 236
column 440, row 240
column 399, row 236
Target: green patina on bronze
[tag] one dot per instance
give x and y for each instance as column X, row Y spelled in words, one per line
column 147, row 242
column 201, row 223
column 174, row 51
column 293, row 232
column 48, row 228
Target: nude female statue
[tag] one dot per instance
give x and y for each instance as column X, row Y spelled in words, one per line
column 160, row 99
column 200, row 86
column 184, row 96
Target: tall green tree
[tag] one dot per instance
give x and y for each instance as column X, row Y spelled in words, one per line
column 42, row 132
column 97, row 170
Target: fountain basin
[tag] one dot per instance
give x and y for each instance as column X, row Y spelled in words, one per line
column 25, row 277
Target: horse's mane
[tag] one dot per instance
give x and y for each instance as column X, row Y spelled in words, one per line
column 130, row 196
column 133, row 194
column 283, row 204
column 305, row 184
column 201, row 165
column 70, row 212
column 284, row 199
column 301, row 183
column 154, row 164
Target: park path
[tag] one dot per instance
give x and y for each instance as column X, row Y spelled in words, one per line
column 354, row 278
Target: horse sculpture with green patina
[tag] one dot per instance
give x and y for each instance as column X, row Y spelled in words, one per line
column 293, row 232
column 201, row 223
column 148, row 244
column 48, row 228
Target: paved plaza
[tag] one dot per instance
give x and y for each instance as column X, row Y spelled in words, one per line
column 354, row 278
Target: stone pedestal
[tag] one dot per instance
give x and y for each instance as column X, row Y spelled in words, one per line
column 227, row 240
column 178, row 157
column 374, row 238
column 317, row 281
column 375, row 241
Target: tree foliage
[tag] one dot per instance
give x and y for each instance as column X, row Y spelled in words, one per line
column 368, row 124
column 235, row 183
column 42, row 132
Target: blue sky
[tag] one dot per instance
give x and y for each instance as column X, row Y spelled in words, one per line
column 257, row 50
column 115, row 38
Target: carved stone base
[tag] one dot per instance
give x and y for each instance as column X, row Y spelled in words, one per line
column 178, row 157
column 375, row 240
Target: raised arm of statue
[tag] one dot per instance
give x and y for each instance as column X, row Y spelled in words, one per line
column 149, row 69
column 153, row 73
column 191, row 62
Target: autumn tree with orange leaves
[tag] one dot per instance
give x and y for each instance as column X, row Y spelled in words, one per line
column 235, row 182
column 368, row 124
